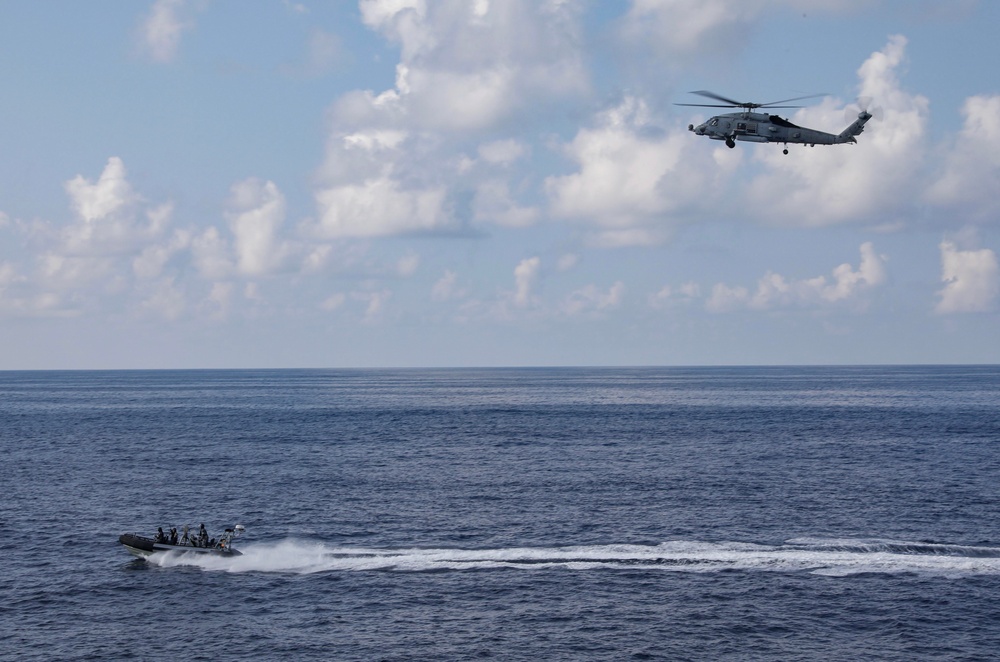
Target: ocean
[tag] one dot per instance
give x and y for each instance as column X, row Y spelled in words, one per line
column 784, row 513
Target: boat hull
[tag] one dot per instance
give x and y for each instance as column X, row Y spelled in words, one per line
column 142, row 547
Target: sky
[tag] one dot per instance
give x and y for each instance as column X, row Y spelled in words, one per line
column 420, row 183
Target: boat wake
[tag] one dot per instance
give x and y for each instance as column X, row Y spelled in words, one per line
column 833, row 557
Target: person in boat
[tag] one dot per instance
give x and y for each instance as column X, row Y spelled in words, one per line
column 202, row 536
column 160, row 536
column 173, row 535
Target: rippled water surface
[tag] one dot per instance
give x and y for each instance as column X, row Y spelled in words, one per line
column 558, row 514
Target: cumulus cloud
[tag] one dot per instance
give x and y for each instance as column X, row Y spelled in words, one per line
column 217, row 303
column 502, row 152
column 467, row 65
column 9, row 279
column 160, row 32
column 776, row 291
column 631, row 177
column 109, row 195
column 256, row 216
column 678, row 27
column 673, row 28
column 494, row 203
column 591, row 299
column 464, row 68
column 375, row 302
column 971, row 277
column 375, row 184
column 211, row 255
column 446, row 288
column 849, row 183
column 971, row 170
column 107, row 230
column 149, row 264
column 668, row 296
column 567, row 261
column 165, row 300
column 380, row 207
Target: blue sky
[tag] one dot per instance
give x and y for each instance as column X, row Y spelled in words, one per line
column 201, row 184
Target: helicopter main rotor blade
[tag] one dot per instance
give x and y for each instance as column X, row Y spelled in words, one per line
column 717, row 97
column 704, row 105
column 773, row 104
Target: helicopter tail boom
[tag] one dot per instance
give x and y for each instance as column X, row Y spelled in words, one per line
column 855, row 129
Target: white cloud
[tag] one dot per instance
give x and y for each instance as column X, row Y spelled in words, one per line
column 567, row 261
column 107, row 220
column 677, row 28
column 104, row 236
column 391, row 166
column 725, row 298
column 165, row 300
column 317, row 258
column 494, row 203
column 376, row 182
column 257, row 213
column 525, row 279
column 971, row 277
column 969, row 178
column 7, row 275
column 502, row 152
column 109, row 195
column 446, row 288
column 631, row 177
column 591, row 299
column 219, row 299
column 160, row 33
column 388, row 15
column 849, row 183
column 668, row 296
column 374, row 304
column 775, row 291
column 211, row 255
column 380, row 207
column 151, row 261
column 847, row 282
column 468, row 65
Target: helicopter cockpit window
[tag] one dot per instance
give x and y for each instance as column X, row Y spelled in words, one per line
column 714, row 123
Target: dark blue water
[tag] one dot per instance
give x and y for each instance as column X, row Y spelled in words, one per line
column 557, row 514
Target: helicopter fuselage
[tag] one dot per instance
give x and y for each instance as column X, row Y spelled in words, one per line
column 765, row 128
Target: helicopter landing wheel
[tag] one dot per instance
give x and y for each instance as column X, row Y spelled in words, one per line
column 784, row 151
column 729, row 143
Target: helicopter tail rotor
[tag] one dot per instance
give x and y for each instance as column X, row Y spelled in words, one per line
column 863, row 105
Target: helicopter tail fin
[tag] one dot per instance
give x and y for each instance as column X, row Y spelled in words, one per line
column 855, row 129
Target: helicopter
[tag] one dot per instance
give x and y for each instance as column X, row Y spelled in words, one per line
column 761, row 127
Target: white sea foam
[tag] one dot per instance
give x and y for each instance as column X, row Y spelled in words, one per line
column 820, row 556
